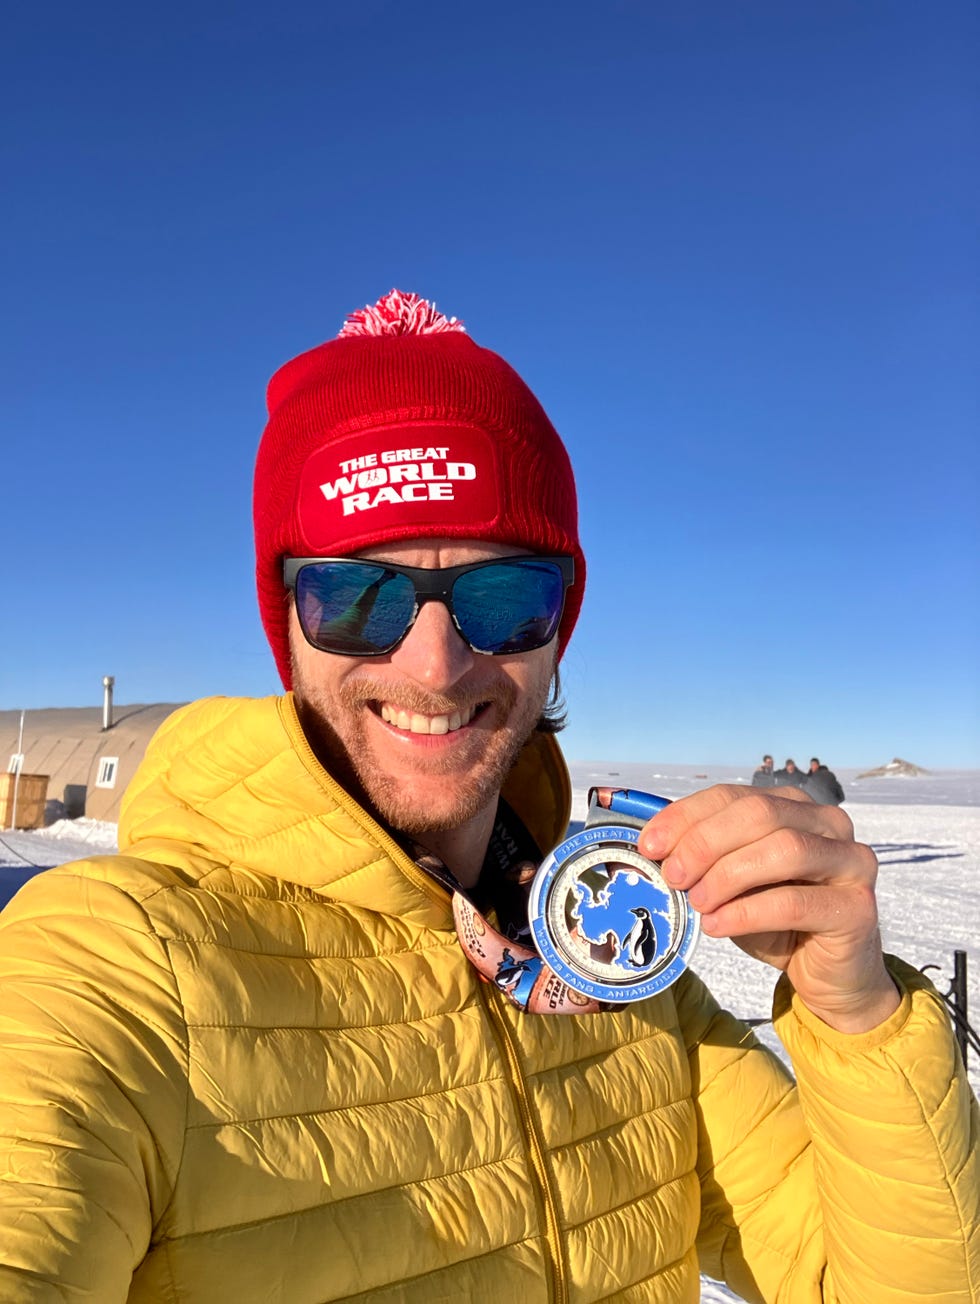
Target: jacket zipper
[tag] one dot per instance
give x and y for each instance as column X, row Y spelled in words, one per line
column 559, row 1283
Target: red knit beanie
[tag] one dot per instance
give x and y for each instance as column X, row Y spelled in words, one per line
column 403, row 428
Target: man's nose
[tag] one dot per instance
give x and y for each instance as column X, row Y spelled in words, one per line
column 432, row 652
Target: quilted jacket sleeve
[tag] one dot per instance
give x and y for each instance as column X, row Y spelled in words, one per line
column 896, row 1139
column 91, row 1095
column 863, row 1184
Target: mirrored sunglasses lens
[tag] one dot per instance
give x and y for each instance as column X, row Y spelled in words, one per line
column 353, row 608
column 509, row 606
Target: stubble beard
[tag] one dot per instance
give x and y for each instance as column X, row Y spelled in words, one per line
column 334, row 725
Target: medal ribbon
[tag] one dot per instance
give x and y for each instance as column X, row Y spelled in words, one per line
column 634, row 806
column 516, row 970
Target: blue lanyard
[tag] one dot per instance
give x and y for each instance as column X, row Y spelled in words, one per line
column 629, row 802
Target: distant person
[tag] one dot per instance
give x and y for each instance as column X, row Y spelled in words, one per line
column 253, row 1058
column 790, row 776
column 764, row 777
column 822, row 785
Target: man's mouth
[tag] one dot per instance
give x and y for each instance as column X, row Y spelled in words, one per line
column 414, row 722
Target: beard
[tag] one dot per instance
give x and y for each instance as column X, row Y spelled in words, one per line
column 444, row 789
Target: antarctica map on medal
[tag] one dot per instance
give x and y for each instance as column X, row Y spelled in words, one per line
column 620, row 917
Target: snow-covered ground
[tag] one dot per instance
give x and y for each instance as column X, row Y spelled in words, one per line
column 926, row 831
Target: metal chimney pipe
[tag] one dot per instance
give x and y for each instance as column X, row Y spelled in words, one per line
column 107, row 683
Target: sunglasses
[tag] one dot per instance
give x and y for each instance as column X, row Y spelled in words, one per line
column 363, row 608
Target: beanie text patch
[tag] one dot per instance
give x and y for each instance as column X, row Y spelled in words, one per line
column 421, row 474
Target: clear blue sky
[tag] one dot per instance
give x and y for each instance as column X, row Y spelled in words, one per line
column 731, row 246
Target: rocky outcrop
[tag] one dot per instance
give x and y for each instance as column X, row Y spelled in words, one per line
column 896, row 768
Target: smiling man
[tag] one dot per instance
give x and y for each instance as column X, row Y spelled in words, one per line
column 259, row 1055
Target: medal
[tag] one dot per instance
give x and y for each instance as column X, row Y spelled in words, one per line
column 606, row 927
column 602, row 916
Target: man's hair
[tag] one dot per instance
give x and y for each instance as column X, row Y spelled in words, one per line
column 554, row 717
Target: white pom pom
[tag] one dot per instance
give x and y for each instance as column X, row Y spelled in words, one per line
column 397, row 313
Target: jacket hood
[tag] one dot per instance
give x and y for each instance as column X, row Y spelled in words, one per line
column 232, row 783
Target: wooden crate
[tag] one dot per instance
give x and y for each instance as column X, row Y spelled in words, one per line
column 32, row 793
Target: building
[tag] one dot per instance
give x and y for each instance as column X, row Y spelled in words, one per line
column 88, row 767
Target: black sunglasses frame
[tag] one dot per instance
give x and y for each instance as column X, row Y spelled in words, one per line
column 433, row 584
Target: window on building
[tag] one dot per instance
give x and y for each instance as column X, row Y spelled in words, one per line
column 16, row 765
column 108, row 765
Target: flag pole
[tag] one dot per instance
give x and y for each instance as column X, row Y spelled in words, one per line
column 20, row 766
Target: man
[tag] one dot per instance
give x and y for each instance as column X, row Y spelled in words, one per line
column 763, row 776
column 248, row 1059
column 823, row 785
column 790, row 776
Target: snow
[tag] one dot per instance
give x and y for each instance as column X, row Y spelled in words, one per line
column 90, row 834
column 924, row 828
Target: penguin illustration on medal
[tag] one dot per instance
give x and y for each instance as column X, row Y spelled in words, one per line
column 602, row 916
column 641, row 940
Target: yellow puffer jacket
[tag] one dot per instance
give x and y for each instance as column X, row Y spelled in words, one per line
column 246, row 1060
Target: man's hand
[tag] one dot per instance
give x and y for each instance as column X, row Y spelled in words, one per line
column 785, row 879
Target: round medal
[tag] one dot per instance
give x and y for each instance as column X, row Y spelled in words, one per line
column 605, row 920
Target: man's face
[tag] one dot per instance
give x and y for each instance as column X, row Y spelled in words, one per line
column 767, row 762
column 429, row 731
column 814, row 766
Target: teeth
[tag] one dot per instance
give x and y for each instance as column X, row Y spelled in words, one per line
column 412, row 722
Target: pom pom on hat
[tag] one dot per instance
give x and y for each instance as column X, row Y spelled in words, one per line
column 396, row 313
column 402, row 427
